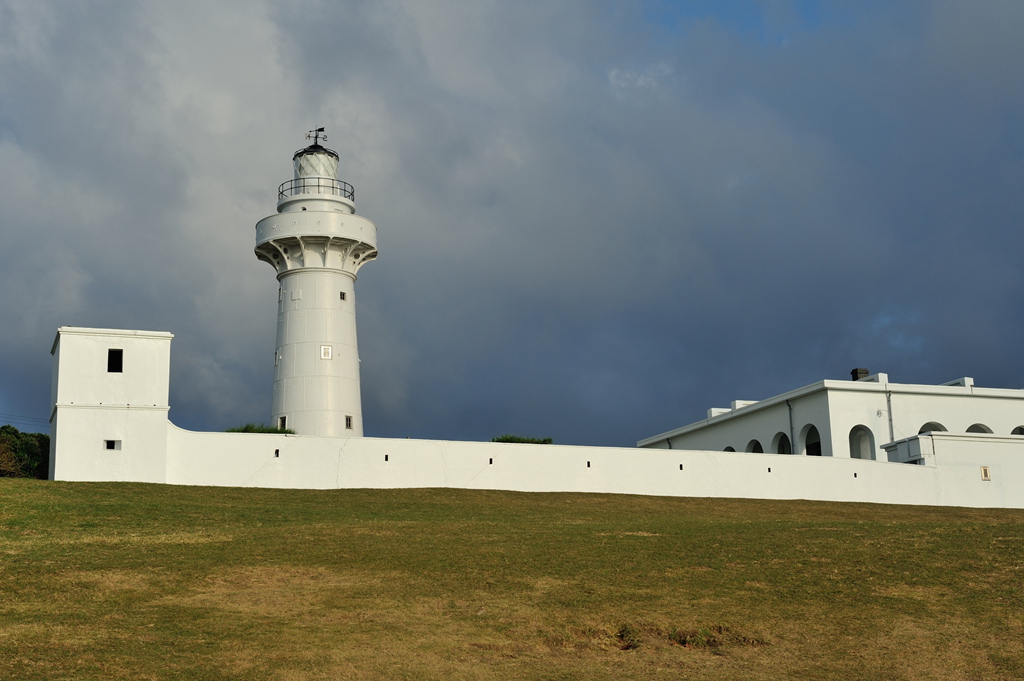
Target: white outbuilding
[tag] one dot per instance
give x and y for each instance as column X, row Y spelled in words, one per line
column 865, row 418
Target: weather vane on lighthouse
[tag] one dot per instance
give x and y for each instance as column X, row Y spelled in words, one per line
column 317, row 135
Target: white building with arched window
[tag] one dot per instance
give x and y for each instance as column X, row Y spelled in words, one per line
column 866, row 418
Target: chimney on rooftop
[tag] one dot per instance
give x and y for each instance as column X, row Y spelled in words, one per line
column 858, row 374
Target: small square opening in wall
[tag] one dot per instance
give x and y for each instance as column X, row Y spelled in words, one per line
column 342, row 295
column 326, row 351
column 348, row 422
column 986, row 474
column 588, row 464
column 277, row 453
column 282, row 422
column 113, row 445
column 115, row 361
column 490, row 462
column 680, row 466
column 385, row 457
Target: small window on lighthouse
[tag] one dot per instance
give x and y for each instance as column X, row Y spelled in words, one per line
column 343, row 295
column 115, row 361
column 348, row 422
column 325, row 352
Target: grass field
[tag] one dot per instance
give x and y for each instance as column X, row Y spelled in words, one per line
column 130, row 581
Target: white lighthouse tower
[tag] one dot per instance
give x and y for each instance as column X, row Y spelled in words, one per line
column 316, row 243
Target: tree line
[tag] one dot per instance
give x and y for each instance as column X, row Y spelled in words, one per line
column 23, row 455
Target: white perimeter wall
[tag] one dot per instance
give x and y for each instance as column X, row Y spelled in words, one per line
column 249, row 460
column 93, row 405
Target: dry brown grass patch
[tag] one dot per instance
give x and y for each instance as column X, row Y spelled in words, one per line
column 273, row 591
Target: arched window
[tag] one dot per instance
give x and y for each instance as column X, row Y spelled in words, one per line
column 812, row 441
column 862, row 443
column 932, row 427
column 729, row 449
column 979, row 428
column 781, row 444
column 1019, row 430
column 755, row 447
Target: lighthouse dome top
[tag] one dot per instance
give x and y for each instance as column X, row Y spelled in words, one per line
column 316, row 149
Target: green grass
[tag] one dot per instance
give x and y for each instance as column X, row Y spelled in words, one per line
column 130, row 581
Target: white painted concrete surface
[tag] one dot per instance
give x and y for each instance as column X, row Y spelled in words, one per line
column 92, row 408
column 109, row 425
column 840, row 410
column 316, row 244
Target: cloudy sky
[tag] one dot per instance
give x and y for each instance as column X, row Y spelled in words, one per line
column 596, row 219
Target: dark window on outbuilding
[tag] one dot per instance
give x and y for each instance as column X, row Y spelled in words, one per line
column 115, row 361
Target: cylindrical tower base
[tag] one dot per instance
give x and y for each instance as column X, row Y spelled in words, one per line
column 316, row 372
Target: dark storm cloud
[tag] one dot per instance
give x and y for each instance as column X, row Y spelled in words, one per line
column 594, row 223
